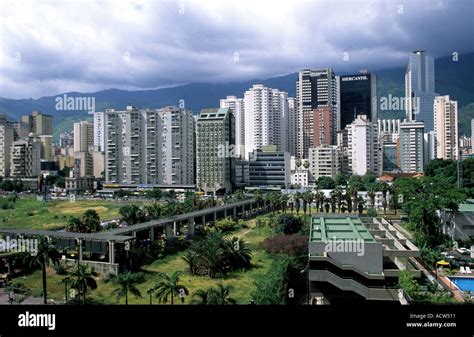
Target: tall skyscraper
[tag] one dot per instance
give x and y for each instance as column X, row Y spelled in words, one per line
column 266, row 118
column 314, row 88
column 83, row 136
column 446, row 127
column 292, row 134
column 177, row 158
column 83, row 144
column 38, row 123
column 238, row 108
column 357, row 95
column 420, row 89
column 412, row 147
column 364, row 149
column 215, row 170
column 99, row 130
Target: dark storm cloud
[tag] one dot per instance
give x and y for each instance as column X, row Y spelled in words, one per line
column 93, row 45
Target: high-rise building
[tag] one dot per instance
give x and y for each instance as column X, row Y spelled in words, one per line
column 25, row 158
column 149, row 146
column 314, row 88
column 177, row 157
column 238, row 108
column 83, row 136
column 292, row 135
column 429, row 148
column 215, row 130
column 132, row 151
column 420, row 89
column 324, row 161
column 6, row 139
column 323, row 126
column 363, row 149
column 99, row 129
column 83, row 144
column 357, row 95
column 390, row 160
column 446, row 127
column 38, row 123
column 412, row 147
column 266, row 118
column 46, row 147
column 389, row 129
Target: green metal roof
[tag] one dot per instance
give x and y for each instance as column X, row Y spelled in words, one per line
column 330, row 228
column 466, row 208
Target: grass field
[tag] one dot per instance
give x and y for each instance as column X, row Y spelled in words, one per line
column 242, row 282
column 50, row 215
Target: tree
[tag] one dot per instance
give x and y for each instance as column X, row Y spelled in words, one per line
column 288, row 224
column 154, row 210
column 340, row 180
column 297, row 198
column 284, row 198
column 126, row 284
column 132, row 214
column 325, row 183
column 169, row 287
column 371, row 191
column 385, row 189
column 368, row 179
column 214, row 296
column 270, row 288
column 293, row 245
column 91, row 221
column 360, row 205
column 82, row 280
column 47, row 254
column 333, row 201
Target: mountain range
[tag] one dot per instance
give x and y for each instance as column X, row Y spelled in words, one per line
column 452, row 77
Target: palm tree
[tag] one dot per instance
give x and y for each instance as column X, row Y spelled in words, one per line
column 47, row 255
column 371, row 193
column 169, row 286
column 333, row 201
column 154, row 211
column 308, row 198
column 338, row 193
column 297, row 199
column 320, row 196
column 384, row 188
column 214, row 296
column 394, row 197
column 284, row 201
column 126, row 284
column 132, row 214
column 237, row 253
column 82, row 280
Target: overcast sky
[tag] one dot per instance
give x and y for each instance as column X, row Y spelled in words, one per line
column 50, row 47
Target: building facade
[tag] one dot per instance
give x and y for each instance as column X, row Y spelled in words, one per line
column 215, row 130
column 324, row 161
column 412, row 147
column 446, row 127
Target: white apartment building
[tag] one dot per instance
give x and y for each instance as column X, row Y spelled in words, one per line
column 83, row 136
column 177, row 157
column 292, row 134
column 237, row 106
column 364, row 149
column 446, row 127
column 412, row 156
column 324, row 161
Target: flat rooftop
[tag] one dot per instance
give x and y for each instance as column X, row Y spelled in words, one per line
column 338, row 228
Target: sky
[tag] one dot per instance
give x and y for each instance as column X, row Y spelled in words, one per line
column 51, row 47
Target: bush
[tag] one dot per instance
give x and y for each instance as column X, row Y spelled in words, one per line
column 293, row 245
column 225, row 225
column 372, row 212
column 271, row 287
column 288, row 224
column 60, row 269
